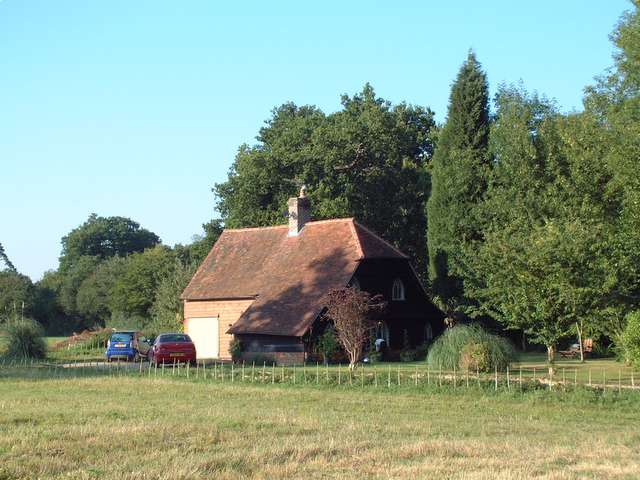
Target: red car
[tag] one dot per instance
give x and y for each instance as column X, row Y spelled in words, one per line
column 172, row 347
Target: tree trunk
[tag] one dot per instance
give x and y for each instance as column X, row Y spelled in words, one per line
column 551, row 356
column 353, row 360
column 579, row 330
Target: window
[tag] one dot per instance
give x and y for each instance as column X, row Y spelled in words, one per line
column 397, row 293
column 428, row 333
column 382, row 332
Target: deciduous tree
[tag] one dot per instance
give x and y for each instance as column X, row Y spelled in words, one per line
column 105, row 237
column 352, row 312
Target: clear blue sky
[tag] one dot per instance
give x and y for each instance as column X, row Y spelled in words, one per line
column 136, row 108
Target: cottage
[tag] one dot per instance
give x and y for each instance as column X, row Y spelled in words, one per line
column 265, row 287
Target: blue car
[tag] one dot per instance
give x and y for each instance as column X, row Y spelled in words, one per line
column 125, row 345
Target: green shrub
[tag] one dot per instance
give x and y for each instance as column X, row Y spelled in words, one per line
column 24, row 339
column 631, row 339
column 408, row 355
column 475, row 357
column 470, row 347
column 235, row 349
column 421, row 351
column 328, row 344
column 374, row 356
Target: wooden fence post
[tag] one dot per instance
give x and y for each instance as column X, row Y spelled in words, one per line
column 619, row 380
column 520, row 377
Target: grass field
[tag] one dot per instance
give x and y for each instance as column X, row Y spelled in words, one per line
column 169, row 428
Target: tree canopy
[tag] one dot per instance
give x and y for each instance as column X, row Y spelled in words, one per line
column 5, row 259
column 367, row 161
column 105, row 237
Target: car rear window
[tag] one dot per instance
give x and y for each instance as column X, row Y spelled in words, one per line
column 121, row 337
column 174, row 338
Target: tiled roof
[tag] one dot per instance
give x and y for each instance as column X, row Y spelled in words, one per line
column 288, row 276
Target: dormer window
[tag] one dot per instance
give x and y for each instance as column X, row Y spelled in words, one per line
column 397, row 292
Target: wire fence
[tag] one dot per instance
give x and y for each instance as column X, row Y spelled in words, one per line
column 377, row 376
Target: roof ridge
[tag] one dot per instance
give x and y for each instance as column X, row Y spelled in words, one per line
column 330, row 220
column 248, row 229
column 404, row 255
column 314, row 222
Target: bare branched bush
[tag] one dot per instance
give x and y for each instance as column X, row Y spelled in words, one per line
column 353, row 312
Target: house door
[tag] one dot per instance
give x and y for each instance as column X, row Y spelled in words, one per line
column 204, row 333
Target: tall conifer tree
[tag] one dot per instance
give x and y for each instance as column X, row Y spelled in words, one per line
column 458, row 181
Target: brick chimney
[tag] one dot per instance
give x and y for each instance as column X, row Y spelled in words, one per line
column 299, row 212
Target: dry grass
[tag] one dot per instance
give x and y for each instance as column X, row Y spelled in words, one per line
column 141, row 428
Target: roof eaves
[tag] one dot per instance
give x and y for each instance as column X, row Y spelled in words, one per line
column 354, row 232
column 201, row 266
column 403, row 255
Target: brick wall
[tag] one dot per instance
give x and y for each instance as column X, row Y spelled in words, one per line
column 227, row 311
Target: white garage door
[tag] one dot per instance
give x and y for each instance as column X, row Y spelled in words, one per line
column 204, row 333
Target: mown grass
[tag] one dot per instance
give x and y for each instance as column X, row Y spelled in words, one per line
column 137, row 427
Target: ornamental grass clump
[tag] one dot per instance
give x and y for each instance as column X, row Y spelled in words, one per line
column 470, row 348
column 24, row 339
